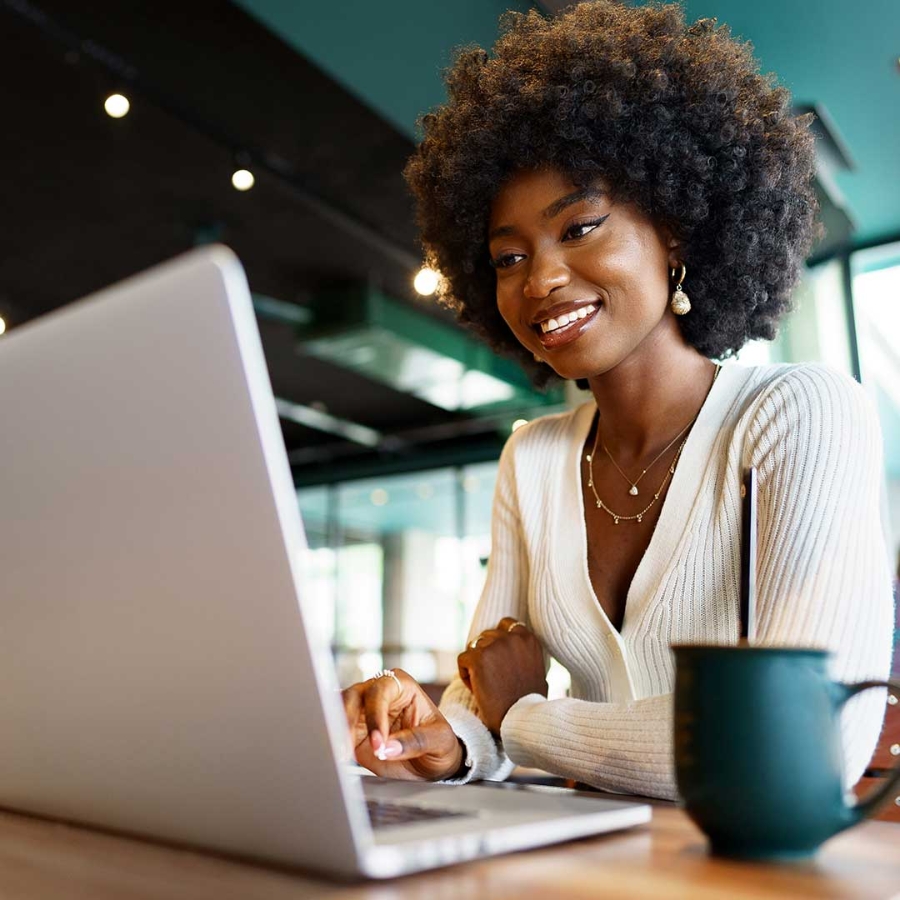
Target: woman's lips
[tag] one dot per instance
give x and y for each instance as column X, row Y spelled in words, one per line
column 568, row 332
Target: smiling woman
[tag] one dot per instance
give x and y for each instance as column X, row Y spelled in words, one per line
column 618, row 198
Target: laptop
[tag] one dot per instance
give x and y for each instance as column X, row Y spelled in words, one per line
column 157, row 676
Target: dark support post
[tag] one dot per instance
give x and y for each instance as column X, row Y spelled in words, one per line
column 850, row 312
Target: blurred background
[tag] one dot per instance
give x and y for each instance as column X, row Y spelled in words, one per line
column 136, row 130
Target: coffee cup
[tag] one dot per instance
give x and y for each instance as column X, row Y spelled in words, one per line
column 758, row 756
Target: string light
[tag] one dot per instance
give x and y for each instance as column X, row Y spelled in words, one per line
column 426, row 281
column 116, row 106
column 243, row 179
column 470, row 484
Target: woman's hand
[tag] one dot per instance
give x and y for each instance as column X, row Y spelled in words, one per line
column 397, row 732
column 501, row 666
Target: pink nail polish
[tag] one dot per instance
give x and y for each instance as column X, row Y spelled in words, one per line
column 377, row 743
column 391, row 749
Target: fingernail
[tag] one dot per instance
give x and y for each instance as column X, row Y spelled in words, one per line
column 390, row 750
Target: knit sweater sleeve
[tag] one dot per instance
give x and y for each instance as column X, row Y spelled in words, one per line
column 504, row 594
column 823, row 580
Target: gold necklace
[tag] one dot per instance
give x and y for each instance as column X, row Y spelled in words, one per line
column 637, row 517
column 633, row 490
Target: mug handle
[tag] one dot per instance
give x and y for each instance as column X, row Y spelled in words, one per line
column 865, row 807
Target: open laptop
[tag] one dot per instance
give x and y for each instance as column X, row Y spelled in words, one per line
column 157, row 676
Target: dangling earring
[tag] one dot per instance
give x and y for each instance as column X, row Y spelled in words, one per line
column 680, row 303
column 537, row 359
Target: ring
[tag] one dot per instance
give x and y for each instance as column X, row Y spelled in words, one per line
column 516, row 625
column 389, row 673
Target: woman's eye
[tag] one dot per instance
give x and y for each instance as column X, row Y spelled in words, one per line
column 582, row 229
column 505, row 260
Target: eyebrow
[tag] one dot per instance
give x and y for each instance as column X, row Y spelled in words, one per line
column 554, row 209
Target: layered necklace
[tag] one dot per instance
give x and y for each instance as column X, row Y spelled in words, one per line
column 633, row 485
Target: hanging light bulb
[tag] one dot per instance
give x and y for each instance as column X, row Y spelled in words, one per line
column 116, row 106
column 243, row 179
column 426, row 281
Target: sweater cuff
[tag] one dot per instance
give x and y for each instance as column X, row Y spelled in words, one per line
column 485, row 760
column 509, row 728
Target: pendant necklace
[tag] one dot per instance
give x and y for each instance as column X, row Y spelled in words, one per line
column 633, row 490
column 637, row 517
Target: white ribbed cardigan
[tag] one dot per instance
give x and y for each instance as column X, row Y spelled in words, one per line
column 823, row 576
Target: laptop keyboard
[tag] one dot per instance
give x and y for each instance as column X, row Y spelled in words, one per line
column 385, row 815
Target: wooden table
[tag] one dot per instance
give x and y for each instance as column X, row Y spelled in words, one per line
column 667, row 858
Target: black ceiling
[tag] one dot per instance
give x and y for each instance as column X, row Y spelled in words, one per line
column 88, row 200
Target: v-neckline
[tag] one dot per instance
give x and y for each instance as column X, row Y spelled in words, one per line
column 676, row 507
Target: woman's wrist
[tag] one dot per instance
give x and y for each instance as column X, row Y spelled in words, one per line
column 463, row 764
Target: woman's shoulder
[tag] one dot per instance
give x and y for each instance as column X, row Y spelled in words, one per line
column 807, row 402
column 806, row 385
column 818, row 376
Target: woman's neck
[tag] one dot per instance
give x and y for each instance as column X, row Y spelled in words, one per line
column 644, row 402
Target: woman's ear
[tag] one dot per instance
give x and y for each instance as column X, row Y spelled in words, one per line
column 675, row 248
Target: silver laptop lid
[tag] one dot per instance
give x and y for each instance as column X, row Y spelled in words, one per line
column 157, row 677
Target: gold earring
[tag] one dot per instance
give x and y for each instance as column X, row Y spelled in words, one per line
column 537, row 359
column 680, row 303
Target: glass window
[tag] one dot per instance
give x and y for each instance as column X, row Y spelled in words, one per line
column 876, row 302
column 817, row 330
column 396, row 567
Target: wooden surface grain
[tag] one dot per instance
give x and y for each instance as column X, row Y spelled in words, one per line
column 667, row 858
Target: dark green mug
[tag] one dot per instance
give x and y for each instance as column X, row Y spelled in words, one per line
column 758, row 755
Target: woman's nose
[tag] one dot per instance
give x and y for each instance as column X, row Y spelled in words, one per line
column 546, row 273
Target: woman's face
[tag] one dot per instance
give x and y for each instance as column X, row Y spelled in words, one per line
column 561, row 252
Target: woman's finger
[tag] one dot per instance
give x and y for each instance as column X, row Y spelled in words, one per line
column 473, row 644
column 352, row 698
column 382, row 692
column 464, row 664
column 481, row 642
column 434, row 746
column 510, row 625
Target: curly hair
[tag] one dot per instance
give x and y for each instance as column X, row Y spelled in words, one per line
column 674, row 118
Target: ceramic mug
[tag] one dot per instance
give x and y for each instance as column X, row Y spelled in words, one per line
column 758, row 755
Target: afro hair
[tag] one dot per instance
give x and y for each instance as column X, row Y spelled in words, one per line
column 674, row 118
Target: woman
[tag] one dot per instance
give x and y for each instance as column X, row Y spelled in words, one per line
column 616, row 198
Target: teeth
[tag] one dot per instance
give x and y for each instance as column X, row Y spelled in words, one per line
column 566, row 319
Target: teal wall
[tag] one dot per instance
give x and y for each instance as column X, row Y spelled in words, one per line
column 390, row 55
column 835, row 52
column 844, row 54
